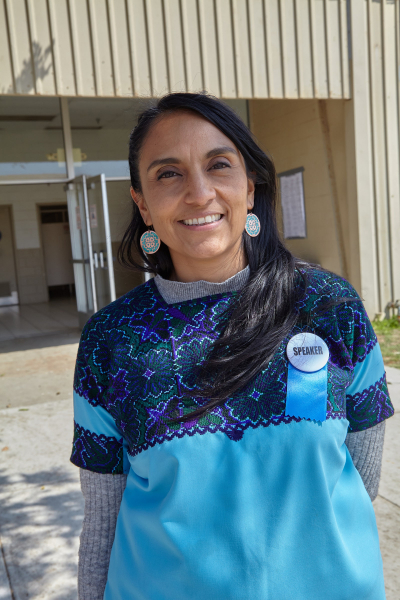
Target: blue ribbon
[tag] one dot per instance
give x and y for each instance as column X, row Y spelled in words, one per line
column 307, row 394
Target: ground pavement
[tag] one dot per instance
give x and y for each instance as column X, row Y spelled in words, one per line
column 41, row 503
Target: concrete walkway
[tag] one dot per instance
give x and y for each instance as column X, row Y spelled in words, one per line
column 41, row 503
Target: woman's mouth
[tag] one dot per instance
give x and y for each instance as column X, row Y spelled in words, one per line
column 203, row 220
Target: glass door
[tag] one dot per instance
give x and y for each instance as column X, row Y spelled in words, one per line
column 101, row 241
column 91, row 244
column 82, row 259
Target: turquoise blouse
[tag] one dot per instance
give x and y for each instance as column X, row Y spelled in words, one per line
column 246, row 502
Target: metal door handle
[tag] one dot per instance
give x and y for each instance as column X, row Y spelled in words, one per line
column 96, row 260
column 101, row 254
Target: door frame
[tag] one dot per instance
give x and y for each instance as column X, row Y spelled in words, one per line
column 106, row 216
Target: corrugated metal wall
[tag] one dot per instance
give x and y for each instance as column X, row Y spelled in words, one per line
column 376, row 97
column 232, row 48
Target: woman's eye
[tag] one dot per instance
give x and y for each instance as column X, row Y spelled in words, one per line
column 220, row 165
column 167, row 175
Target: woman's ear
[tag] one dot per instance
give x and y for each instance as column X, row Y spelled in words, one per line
column 251, row 185
column 142, row 206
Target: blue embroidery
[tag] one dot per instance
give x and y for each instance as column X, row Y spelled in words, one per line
column 139, row 359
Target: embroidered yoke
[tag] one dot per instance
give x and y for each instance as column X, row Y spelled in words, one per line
column 244, row 502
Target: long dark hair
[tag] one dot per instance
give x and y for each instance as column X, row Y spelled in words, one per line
column 263, row 313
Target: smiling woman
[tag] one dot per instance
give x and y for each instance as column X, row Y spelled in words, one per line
column 215, row 461
column 198, row 200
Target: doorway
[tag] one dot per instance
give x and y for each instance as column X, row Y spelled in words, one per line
column 8, row 276
column 57, row 251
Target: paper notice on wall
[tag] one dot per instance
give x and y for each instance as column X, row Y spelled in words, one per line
column 93, row 216
column 292, row 198
column 78, row 218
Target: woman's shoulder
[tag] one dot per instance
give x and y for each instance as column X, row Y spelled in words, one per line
column 336, row 307
column 134, row 302
column 322, row 286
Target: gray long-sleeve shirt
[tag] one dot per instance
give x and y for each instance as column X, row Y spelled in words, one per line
column 103, row 492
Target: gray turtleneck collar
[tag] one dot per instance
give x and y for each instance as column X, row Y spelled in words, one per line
column 177, row 291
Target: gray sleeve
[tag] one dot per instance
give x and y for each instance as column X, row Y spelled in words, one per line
column 103, row 494
column 366, row 448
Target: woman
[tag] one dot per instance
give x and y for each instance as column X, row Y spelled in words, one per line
column 205, row 419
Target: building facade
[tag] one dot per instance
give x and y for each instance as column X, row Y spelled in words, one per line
column 316, row 81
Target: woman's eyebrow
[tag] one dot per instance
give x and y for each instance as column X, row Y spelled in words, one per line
column 163, row 161
column 221, row 150
column 175, row 161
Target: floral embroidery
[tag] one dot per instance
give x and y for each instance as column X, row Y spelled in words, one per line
column 369, row 407
column 139, row 358
column 97, row 452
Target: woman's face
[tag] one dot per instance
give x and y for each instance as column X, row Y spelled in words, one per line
column 195, row 190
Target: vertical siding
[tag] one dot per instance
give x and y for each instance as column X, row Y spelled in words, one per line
column 344, row 49
column 375, row 51
column 304, row 49
column 139, row 47
column 319, row 47
column 378, row 146
column 82, row 48
column 101, row 47
column 390, row 27
column 233, row 48
column 289, row 48
column 333, row 48
column 157, row 46
column 41, row 47
column 243, row 63
column 7, row 84
column 226, row 50
column 209, row 45
column 119, row 45
column 62, row 50
column 274, row 48
column 21, row 52
column 258, row 49
column 175, row 45
column 192, row 45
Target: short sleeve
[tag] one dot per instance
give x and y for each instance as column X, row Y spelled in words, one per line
column 98, row 444
column 367, row 397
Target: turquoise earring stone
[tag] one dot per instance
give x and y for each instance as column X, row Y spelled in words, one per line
column 150, row 242
column 253, row 226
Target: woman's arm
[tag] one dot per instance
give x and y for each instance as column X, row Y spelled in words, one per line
column 103, row 494
column 366, row 448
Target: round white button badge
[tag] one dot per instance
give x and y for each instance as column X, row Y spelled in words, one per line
column 307, row 352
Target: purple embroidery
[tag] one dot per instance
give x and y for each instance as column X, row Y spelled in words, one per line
column 140, row 358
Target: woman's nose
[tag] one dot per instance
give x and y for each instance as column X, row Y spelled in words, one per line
column 199, row 191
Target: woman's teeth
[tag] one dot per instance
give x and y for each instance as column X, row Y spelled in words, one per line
column 202, row 220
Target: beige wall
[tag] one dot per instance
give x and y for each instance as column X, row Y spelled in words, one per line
column 312, row 134
column 31, row 276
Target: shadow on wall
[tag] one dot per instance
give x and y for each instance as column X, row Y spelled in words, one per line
column 40, row 523
column 32, row 70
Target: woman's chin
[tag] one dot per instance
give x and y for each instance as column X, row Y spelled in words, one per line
column 201, row 252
